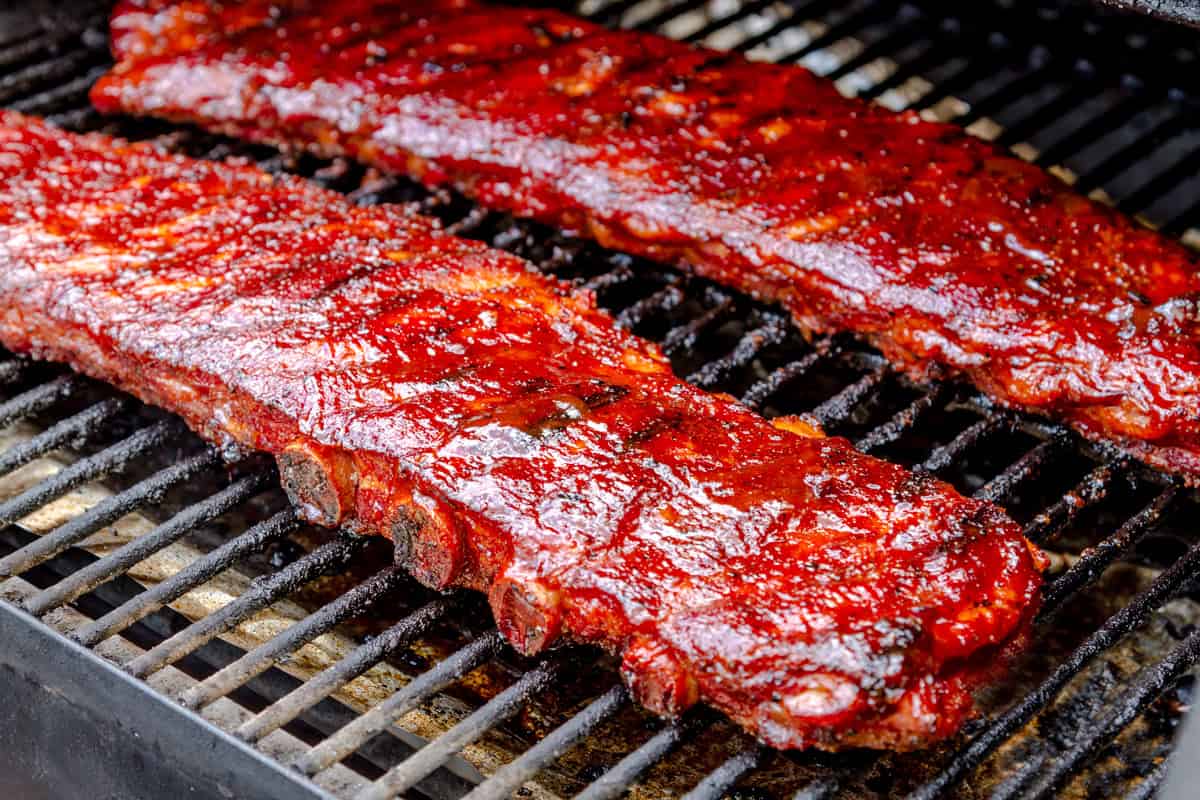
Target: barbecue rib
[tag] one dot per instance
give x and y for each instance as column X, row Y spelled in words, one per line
column 944, row 252
column 509, row 438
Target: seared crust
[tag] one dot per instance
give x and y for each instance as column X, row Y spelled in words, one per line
column 510, row 439
column 937, row 247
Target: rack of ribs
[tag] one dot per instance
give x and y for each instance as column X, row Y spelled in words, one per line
column 952, row 257
column 509, row 438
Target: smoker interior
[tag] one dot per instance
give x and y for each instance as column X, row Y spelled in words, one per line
column 126, row 534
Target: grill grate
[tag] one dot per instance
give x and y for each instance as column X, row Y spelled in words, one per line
column 1125, row 128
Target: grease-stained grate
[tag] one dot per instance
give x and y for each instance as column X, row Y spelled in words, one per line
column 429, row 700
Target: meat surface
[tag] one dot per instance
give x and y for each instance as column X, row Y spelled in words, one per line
column 950, row 256
column 510, row 439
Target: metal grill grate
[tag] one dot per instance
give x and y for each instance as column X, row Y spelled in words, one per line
column 429, row 699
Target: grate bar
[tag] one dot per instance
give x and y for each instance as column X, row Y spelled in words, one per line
column 851, row 25
column 1161, row 184
column 725, row 777
column 476, row 216
column 1071, row 97
column 838, row 408
column 141, row 548
column 950, row 452
column 930, row 57
column 24, row 50
column 1113, row 118
column 684, row 337
column 665, row 299
column 1004, row 95
column 77, row 87
column 76, row 119
column 1148, row 685
column 1095, row 560
column 847, row 26
column 903, row 420
column 1131, row 153
column 611, row 13
column 896, row 38
column 74, row 428
column 335, row 677
column 103, row 513
column 406, row 775
column 1112, row 631
column 509, row 778
column 261, row 658
column 261, row 594
column 1148, row 787
column 376, row 720
column 1089, row 491
column 820, row 789
column 616, row 781
column 743, row 10
column 1013, row 784
column 24, row 47
column 1020, row 470
column 619, row 274
column 562, row 254
column 746, row 350
column 955, row 85
column 194, row 574
column 112, row 459
column 758, row 394
column 37, row 399
column 14, row 84
column 655, row 21
column 805, row 11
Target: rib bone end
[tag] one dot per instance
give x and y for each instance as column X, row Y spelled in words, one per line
column 319, row 481
column 528, row 614
column 428, row 542
column 657, row 678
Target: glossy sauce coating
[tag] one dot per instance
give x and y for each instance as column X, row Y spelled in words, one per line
column 949, row 255
column 509, row 438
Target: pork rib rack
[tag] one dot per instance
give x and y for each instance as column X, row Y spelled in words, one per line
column 509, row 438
column 949, row 255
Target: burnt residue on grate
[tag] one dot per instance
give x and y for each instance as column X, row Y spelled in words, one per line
column 1088, row 710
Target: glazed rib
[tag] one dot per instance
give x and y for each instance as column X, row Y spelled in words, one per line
column 510, row 439
column 949, row 255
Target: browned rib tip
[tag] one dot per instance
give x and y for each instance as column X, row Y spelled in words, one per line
column 406, row 524
column 528, row 614
column 319, row 481
column 429, row 542
column 657, row 678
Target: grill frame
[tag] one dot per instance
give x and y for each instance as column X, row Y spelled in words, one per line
column 769, row 330
column 73, row 689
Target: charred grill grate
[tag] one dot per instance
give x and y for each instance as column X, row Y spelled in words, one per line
column 1113, row 644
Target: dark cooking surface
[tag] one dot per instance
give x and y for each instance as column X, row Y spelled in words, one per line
column 1121, row 123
